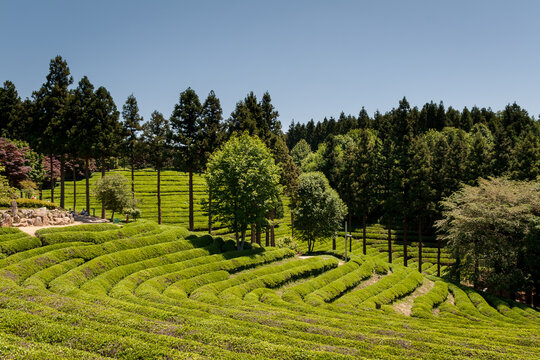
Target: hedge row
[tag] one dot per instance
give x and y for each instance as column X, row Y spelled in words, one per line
column 29, row 203
column 100, row 236
column 83, row 227
column 308, row 267
column 20, row 243
column 402, row 288
column 424, row 304
column 337, row 287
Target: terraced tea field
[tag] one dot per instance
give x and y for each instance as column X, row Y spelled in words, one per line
column 143, row 291
column 174, row 186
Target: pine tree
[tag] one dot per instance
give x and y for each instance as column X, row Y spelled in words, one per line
column 156, row 135
column 110, row 129
column 186, row 124
column 131, row 127
column 212, row 135
column 364, row 121
column 10, row 108
column 525, row 163
column 50, row 112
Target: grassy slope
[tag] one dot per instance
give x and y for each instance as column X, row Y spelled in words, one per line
column 153, row 292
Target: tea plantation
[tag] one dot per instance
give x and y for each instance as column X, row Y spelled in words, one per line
column 144, row 291
column 174, row 192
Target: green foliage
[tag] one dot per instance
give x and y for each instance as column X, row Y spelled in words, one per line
column 28, row 203
column 113, row 192
column 300, row 151
column 424, row 304
column 245, row 183
column 487, row 228
column 318, row 209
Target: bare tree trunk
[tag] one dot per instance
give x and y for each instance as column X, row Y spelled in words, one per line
column 267, row 239
column 389, row 241
column 420, row 244
column 405, row 255
column 350, row 243
column 87, row 179
column 292, row 225
column 334, row 242
column 103, row 213
column 52, row 179
column 258, row 235
column 438, row 256
column 132, row 178
column 253, row 232
column 364, row 218
column 74, row 189
column 210, row 211
column 191, row 200
column 272, row 234
column 159, row 194
column 62, row 185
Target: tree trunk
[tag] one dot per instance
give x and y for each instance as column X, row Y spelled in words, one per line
column 292, row 225
column 62, row 186
column 253, row 233
column 334, row 242
column 364, row 218
column 102, row 176
column 112, row 216
column 258, row 235
column 210, row 211
column 41, row 191
column 52, row 179
column 350, row 221
column 191, row 200
column 350, row 244
column 132, row 178
column 87, row 179
column 159, row 194
column 438, row 256
column 272, row 234
column 405, row 240
column 267, row 240
column 240, row 246
column 389, row 225
column 420, row 244
column 74, row 189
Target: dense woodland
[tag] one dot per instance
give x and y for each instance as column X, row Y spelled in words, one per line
column 393, row 167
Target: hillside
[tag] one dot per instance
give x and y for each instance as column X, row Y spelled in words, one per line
column 144, row 291
column 174, row 187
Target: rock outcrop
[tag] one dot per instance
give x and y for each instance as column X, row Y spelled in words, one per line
column 34, row 217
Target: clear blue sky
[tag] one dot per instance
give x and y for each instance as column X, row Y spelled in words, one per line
column 316, row 58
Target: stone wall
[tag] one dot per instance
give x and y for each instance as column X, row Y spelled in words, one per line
column 34, row 217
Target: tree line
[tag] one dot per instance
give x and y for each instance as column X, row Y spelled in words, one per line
column 80, row 128
column 397, row 167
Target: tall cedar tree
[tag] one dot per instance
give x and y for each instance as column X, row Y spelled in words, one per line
column 109, row 129
column 247, row 116
column 186, row 124
column 363, row 163
column 50, row 125
column 131, row 127
column 86, row 127
column 211, row 136
column 422, row 200
column 10, row 109
column 155, row 137
column 403, row 133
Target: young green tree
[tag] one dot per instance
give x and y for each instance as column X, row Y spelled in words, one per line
column 245, row 183
column 110, row 130
column 131, row 127
column 113, row 192
column 318, row 209
column 525, row 162
column 155, row 137
column 300, row 151
column 185, row 124
column 211, row 136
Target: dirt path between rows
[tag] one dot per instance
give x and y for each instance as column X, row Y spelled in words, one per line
column 79, row 220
